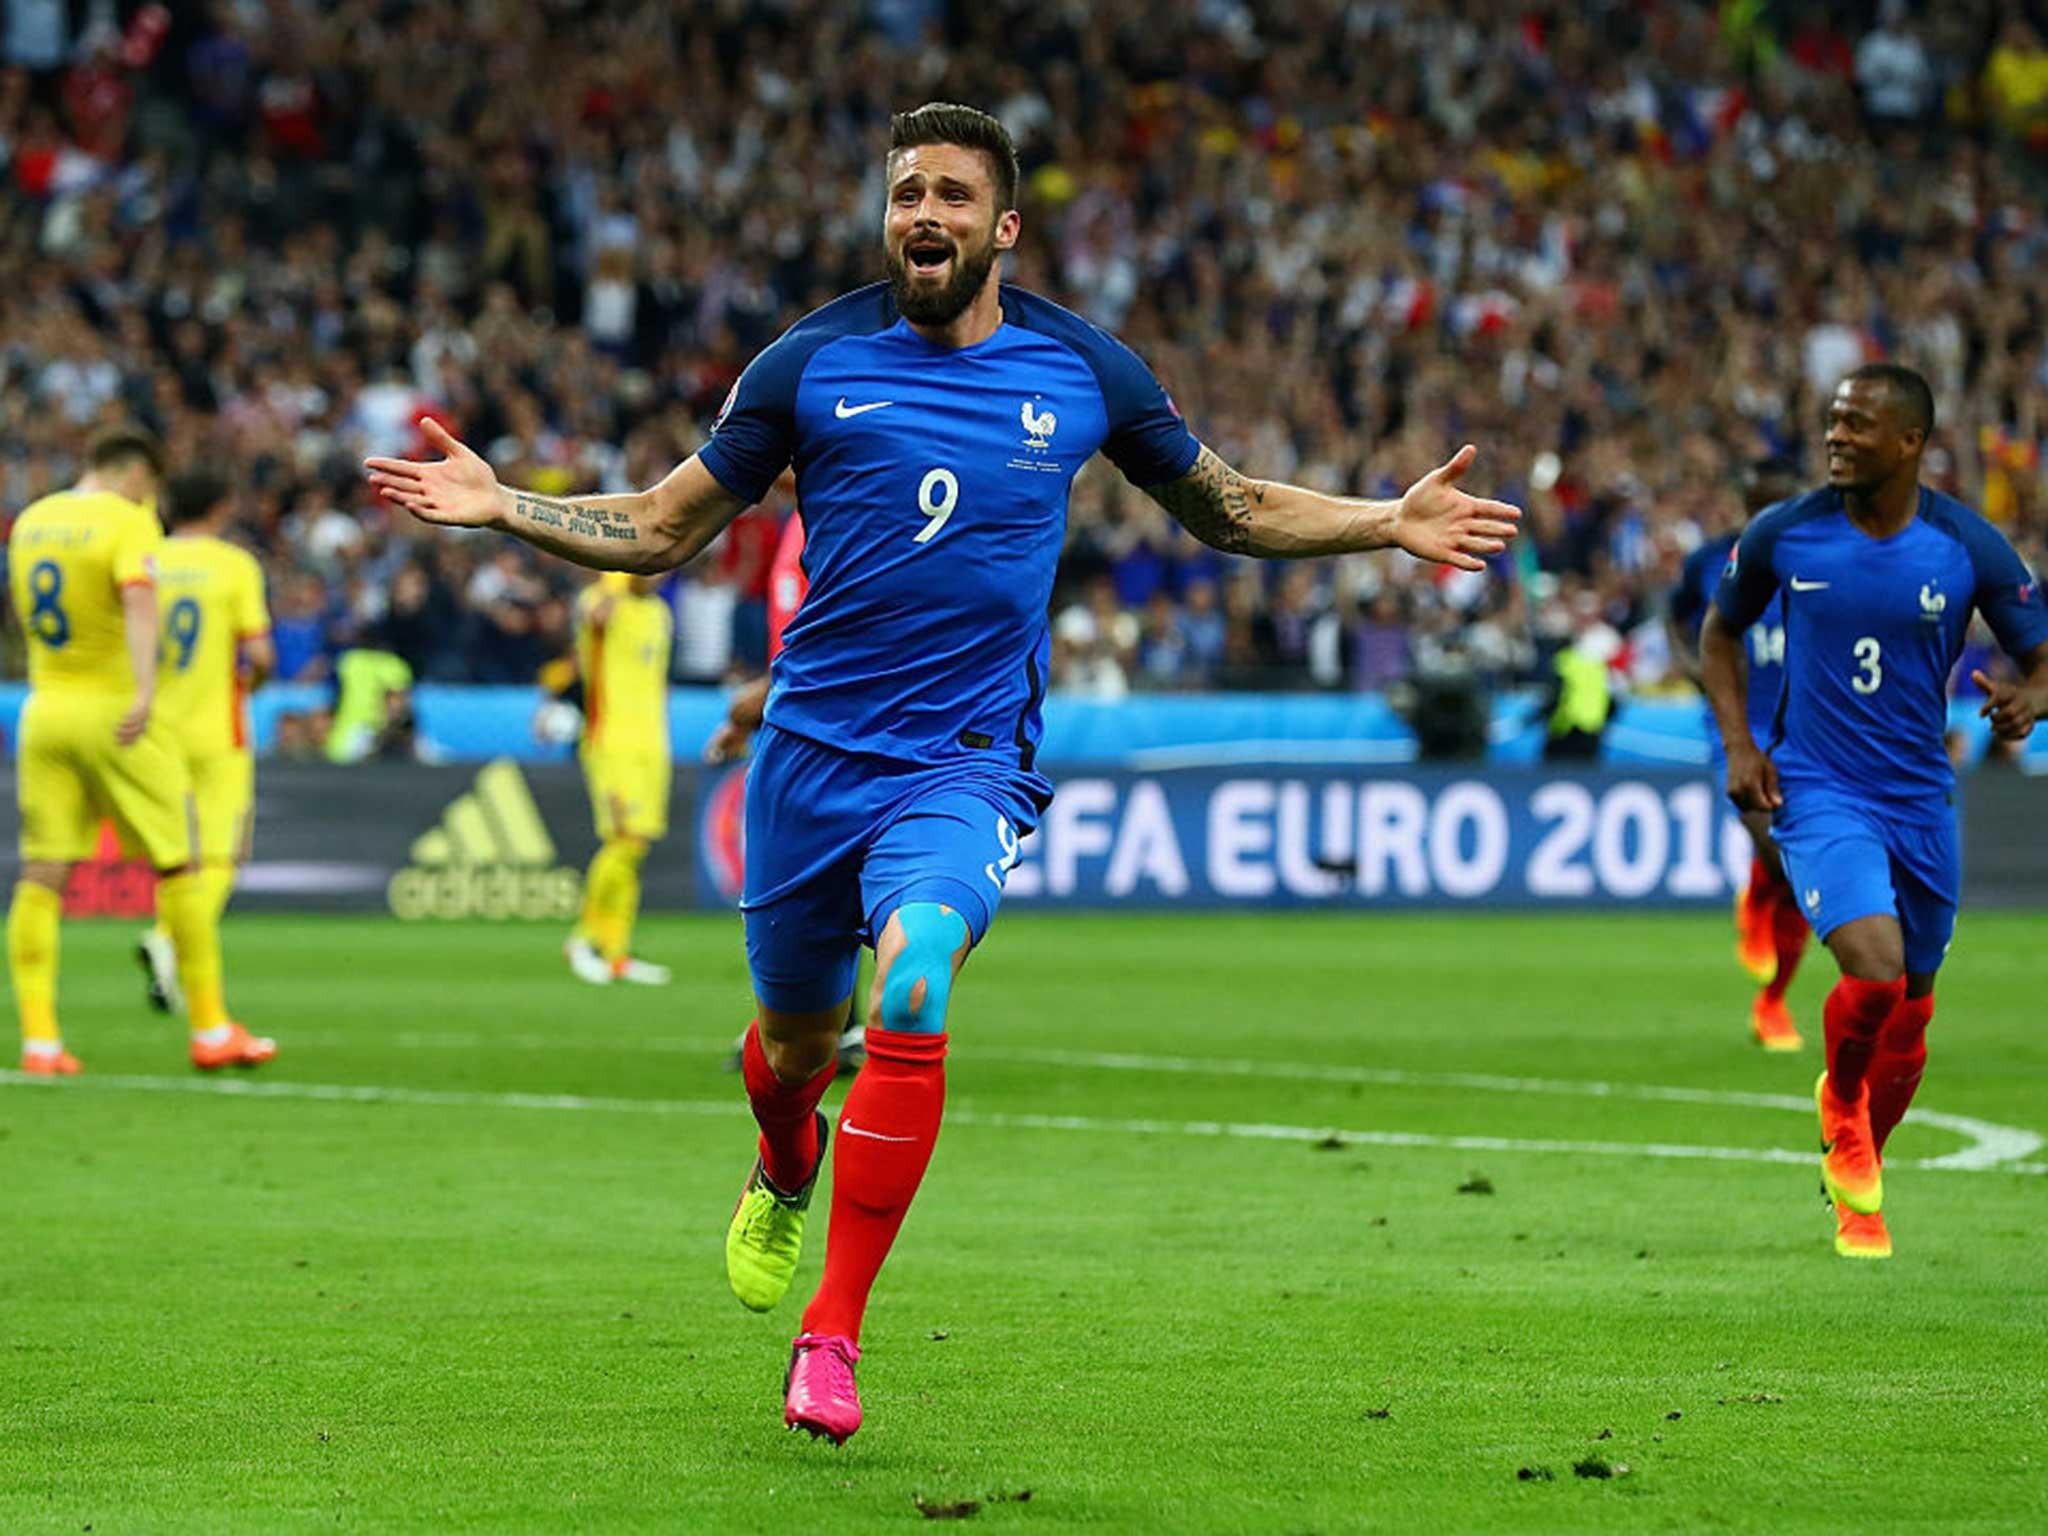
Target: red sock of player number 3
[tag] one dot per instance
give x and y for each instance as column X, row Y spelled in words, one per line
column 886, row 1134
column 1896, row 1068
column 1854, row 1015
column 1788, row 936
column 786, row 1112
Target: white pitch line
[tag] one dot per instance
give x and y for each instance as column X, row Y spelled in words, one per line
column 1989, row 1144
column 1992, row 1145
column 443, row 1098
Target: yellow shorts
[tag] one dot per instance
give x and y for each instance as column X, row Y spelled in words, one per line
column 223, row 796
column 72, row 776
column 628, row 793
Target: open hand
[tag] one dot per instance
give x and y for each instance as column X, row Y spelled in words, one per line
column 458, row 491
column 2011, row 710
column 1439, row 522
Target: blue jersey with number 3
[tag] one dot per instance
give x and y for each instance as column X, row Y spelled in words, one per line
column 934, row 486
column 1873, row 628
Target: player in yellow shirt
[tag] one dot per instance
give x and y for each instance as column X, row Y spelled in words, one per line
column 623, row 633
column 82, row 569
column 215, row 650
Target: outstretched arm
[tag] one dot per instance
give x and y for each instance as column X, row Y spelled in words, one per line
column 644, row 532
column 1434, row 520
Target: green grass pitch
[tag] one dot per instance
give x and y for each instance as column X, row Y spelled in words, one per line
column 456, row 1265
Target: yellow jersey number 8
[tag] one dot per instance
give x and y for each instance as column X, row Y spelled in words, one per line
column 46, row 616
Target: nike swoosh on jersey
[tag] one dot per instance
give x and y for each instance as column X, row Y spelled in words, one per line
column 850, row 1129
column 842, row 410
column 1806, row 586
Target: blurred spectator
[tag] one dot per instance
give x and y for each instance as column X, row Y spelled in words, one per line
column 2016, row 83
column 1165, row 659
column 298, row 626
column 1580, row 701
column 1201, row 628
column 1892, row 68
column 373, row 715
column 1380, row 644
column 1625, row 248
column 746, row 558
column 1095, row 644
column 420, row 623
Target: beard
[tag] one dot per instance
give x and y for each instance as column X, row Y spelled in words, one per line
column 925, row 305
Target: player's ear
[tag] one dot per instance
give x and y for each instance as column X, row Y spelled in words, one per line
column 1009, row 225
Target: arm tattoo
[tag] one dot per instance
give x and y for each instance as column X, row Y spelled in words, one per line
column 577, row 519
column 1214, row 503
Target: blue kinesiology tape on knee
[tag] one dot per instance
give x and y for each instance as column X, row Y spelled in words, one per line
column 931, row 936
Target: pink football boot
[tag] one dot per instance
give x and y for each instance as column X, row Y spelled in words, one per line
column 821, row 1396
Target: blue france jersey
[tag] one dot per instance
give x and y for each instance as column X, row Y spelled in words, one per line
column 1764, row 641
column 934, row 485
column 1872, row 630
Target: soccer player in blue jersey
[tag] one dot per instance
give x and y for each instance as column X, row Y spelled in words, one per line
column 935, row 421
column 1770, row 932
column 1879, row 575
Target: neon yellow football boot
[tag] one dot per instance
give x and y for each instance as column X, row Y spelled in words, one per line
column 1861, row 1235
column 1850, row 1170
column 766, row 1237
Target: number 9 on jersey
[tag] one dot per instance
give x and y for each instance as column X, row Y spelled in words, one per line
column 937, row 495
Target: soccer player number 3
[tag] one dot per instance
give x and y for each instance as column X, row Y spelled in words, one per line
column 1869, row 675
column 937, row 495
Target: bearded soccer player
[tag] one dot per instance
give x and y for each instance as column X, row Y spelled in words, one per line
column 1879, row 575
column 215, row 650
column 623, row 635
column 936, row 422
column 82, row 566
column 1770, row 932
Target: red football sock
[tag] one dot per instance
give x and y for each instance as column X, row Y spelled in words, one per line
column 1856, row 1011
column 1789, row 934
column 1758, row 896
column 1896, row 1068
column 887, row 1129
column 786, row 1112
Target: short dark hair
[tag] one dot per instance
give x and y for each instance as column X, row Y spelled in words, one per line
column 947, row 122
column 193, row 493
column 116, row 446
column 1770, row 479
column 1908, row 390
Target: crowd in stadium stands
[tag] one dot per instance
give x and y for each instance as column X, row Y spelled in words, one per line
column 1626, row 246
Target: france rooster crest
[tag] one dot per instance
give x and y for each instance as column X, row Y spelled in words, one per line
column 1039, row 426
column 1933, row 602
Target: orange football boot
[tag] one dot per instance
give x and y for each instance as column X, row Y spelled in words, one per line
column 240, row 1049
column 1772, row 1023
column 1849, row 1166
column 1756, row 951
column 58, row 1063
column 1859, row 1235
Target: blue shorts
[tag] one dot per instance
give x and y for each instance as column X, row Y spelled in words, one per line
column 1848, row 859
column 837, row 841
